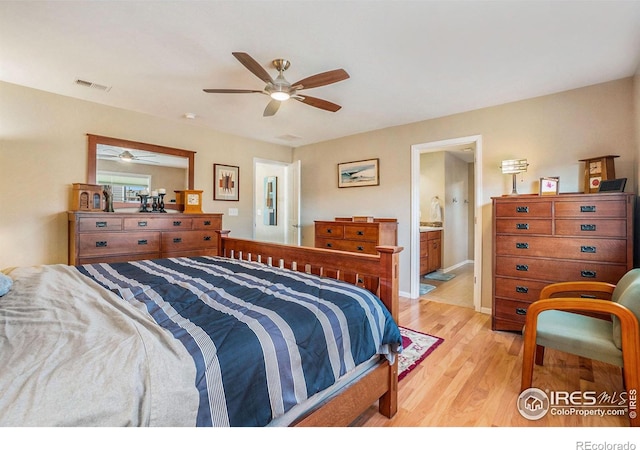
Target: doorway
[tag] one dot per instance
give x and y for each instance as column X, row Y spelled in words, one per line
column 276, row 201
column 450, row 145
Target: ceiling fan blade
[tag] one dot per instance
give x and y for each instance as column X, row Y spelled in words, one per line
column 318, row 103
column 321, row 79
column 272, row 108
column 231, row 91
column 253, row 66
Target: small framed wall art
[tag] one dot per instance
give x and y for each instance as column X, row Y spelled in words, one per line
column 226, row 182
column 549, row 185
column 359, row 173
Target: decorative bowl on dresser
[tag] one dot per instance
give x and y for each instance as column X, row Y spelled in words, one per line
column 538, row 240
column 358, row 236
column 115, row 237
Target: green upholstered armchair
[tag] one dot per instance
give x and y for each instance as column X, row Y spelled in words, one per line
column 553, row 321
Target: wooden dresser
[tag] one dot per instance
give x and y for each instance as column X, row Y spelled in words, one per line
column 353, row 236
column 113, row 237
column 539, row 240
column 430, row 251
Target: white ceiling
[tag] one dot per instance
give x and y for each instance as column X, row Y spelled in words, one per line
column 408, row 60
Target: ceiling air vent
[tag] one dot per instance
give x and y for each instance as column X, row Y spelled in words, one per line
column 289, row 137
column 89, row 84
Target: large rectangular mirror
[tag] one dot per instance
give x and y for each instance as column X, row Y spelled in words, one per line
column 130, row 166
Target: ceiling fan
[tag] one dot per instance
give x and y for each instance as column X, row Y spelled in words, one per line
column 279, row 89
column 125, row 155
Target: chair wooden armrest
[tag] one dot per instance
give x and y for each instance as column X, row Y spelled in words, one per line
column 577, row 286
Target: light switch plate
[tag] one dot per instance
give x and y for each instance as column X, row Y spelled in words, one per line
column 233, row 211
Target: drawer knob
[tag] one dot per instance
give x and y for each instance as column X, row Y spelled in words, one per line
column 360, row 233
column 587, row 227
column 522, row 289
column 522, row 245
column 588, row 208
column 207, row 222
column 587, row 249
column 360, row 248
column 142, row 223
column 101, row 244
column 521, row 311
column 329, row 244
column 522, row 226
column 522, row 209
column 177, row 240
column 329, row 230
column 177, row 223
column 207, row 238
column 522, row 267
column 588, row 273
column 142, row 242
column 101, row 224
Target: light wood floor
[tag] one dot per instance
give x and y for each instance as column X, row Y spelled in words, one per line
column 456, row 291
column 473, row 378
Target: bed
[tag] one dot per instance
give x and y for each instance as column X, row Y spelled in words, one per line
column 261, row 335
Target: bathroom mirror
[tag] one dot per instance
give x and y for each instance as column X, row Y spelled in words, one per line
column 132, row 166
column 271, row 200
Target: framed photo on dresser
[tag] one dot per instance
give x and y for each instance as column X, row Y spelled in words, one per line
column 549, row 185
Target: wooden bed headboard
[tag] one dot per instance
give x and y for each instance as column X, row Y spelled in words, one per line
column 377, row 273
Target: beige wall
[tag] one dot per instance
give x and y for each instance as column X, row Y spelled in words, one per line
column 43, row 150
column 553, row 132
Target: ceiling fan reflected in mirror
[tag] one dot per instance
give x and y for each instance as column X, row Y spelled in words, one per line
column 125, row 155
column 280, row 90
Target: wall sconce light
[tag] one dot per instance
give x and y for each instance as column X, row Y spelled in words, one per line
column 514, row 167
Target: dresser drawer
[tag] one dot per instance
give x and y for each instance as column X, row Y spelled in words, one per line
column 157, row 223
column 99, row 224
column 362, row 233
column 347, row 246
column 175, row 241
column 103, row 244
column 523, row 209
column 523, row 226
column 608, row 250
column 518, row 289
column 591, row 208
column 207, row 223
column 553, row 270
column 512, row 310
column 329, row 230
column 591, row 227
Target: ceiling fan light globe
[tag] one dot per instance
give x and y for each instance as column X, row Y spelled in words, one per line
column 280, row 96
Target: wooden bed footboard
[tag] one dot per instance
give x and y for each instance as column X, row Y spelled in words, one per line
column 377, row 273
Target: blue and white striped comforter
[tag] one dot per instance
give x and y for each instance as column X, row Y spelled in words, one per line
column 262, row 339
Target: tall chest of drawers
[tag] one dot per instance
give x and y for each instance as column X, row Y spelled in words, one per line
column 115, row 237
column 539, row 240
column 353, row 236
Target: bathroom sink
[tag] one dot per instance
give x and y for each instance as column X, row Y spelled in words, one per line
column 423, row 229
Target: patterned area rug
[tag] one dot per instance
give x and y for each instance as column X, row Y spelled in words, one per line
column 416, row 347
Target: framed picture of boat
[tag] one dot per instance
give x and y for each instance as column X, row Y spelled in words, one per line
column 359, row 173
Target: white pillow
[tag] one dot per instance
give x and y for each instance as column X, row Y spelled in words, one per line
column 5, row 284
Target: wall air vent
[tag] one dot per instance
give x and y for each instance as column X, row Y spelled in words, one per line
column 89, row 84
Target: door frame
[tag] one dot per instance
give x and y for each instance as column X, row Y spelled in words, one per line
column 427, row 147
column 291, row 186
